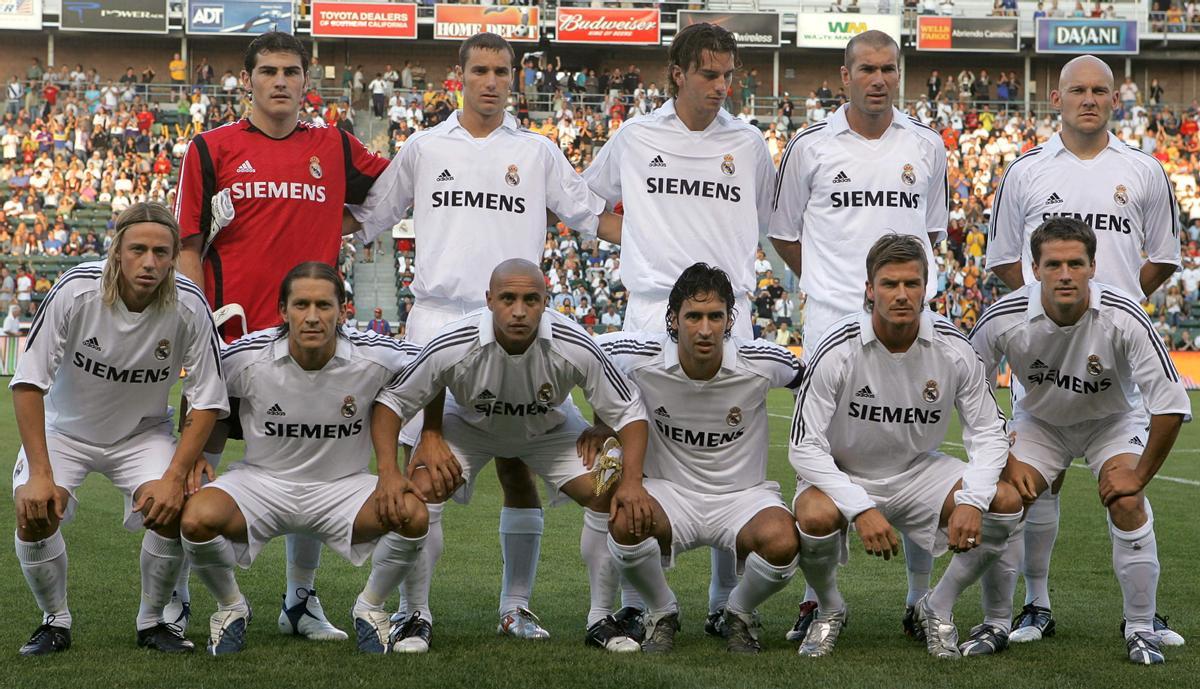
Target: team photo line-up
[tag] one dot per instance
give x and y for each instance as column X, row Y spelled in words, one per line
column 236, row 287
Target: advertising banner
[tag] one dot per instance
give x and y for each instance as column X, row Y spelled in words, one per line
column 1090, row 36
column 610, row 25
column 990, row 34
column 829, row 30
column 752, row 29
column 459, row 22
column 239, row 17
column 21, row 14
column 118, row 16
column 364, row 20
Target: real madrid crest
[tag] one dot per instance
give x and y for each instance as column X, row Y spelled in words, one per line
column 908, row 175
column 545, row 393
column 349, row 408
column 1094, row 367
column 314, row 167
column 1121, row 195
column 735, row 416
column 163, row 350
column 511, row 177
column 930, row 394
column 727, row 165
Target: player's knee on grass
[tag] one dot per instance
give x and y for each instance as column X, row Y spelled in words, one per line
column 1007, row 500
column 206, row 515
column 816, row 514
column 1127, row 512
column 421, row 478
column 418, row 518
column 518, row 483
column 772, row 534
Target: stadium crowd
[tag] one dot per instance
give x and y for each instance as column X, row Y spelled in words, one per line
column 77, row 148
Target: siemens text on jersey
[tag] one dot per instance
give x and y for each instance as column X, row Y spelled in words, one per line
column 695, row 438
column 869, row 199
column 120, row 375
column 297, row 191
column 319, row 431
column 694, row 187
column 1097, row 221
column 479, row 199
column 880, row 414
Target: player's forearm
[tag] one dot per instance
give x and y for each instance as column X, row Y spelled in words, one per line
column 610, row 226
column 433, row 414
column 385, row 434
column 790, row 252
column 190, row 262
column 29, row 406
column 817, row 466
column 196, row 429
column 1164, row 429
column 1153, row 275
column 350, row 224
column 633, row 437
column 1010, row 274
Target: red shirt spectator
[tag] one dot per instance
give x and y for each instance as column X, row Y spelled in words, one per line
column 145, row 120
column 1188, row 127
column 50, row 94
column 162, row 164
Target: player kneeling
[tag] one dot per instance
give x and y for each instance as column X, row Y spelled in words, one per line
column 90, row 395
column 1083, row 352
column 303, row 394
column 873, row 410
column 705, row 470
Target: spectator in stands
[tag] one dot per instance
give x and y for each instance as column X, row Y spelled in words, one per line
column 8, row 287
column 379, row 325
column 204, row 73
column 177, row 70
column 24, row 285
column 1129, row 94
column 611, row 320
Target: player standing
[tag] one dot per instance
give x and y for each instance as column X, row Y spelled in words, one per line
column 272, row 189
column 1083, row 352
column 867, row 170
column 1123, row 194
column 90, row 395
column 303, row 393
column 479, row 187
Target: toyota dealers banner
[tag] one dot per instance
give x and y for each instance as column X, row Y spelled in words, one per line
column 21, row 14
column 1080, row 36
column 829, row 30
column 459, row 22
column 751, row 29
column 123, row 16
column 363, row 20
column 239, row 17
column 610, row 25
column 990, row 34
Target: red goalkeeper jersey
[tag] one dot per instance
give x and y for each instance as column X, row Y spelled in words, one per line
column 288, row 196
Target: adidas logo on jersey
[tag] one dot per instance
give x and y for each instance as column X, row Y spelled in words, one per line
column 841, row 178
column 1136, row 441
column 657, row 161
column 1037, row 363
column 865, row 392
column 445, row 177
column 276, row 410
column 662, row 411
column 1054, row 198
column 246, row 167
column 93, row 343
column 486, row 395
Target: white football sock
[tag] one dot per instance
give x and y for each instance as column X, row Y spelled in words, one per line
column 602, row 571
column 182, row 591
column 1041, row 529
column 1135, row 561
column 414, row 592
column 160, row 562
column 520, row 547
column 630, row 598
column 44, row 564
column 760, row 581
column 966, row 568
column 819, row 558
column 642, row 565
column 723, row 565
column 213, row 562
column 391, row 562
column 918, row 562
column 303, row 559
column 999, row 583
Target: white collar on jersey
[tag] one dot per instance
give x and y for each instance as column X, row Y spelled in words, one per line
column 1054, row 145
column 838, row 122
column 866, row 331
column 344, row 350
column 1035, row 309
column 667, row 111
column 729, row 356
column 509, row 122
column 487, row 328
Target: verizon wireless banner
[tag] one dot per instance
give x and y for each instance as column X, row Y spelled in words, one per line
column 608, row 25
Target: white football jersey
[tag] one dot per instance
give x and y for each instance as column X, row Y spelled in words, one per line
column 839, row 192
column 1091, row 370
column 514, row 396
column 310, row 426
column 864, row 412
column 688, row 197
column 1123, row 194
column 476, row 202
column 709, row 436
column 109, row 371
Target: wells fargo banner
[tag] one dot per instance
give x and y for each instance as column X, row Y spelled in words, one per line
column 611, row 25
column 981, row 34
column 364, row 20
column 459, row 22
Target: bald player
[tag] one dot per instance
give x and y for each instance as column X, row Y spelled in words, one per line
column 1123, row 194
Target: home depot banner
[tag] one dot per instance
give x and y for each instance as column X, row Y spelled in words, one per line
column 610, row 25
column 364, row 20
column 460, row 22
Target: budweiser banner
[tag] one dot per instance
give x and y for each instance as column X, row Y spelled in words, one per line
column 751, row 29
column 459, row 22
column 611, row 25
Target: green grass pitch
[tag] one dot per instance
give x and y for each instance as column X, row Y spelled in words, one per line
column 1087, row 652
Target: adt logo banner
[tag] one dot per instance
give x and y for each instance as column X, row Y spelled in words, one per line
column 120, row 16
column 1090, row 36
column 828, row 30
column 239, row 17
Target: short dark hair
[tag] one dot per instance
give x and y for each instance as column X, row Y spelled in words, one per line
column 895, row 248
column 689, row 44
column 697, row 279
column 1063, row 229
column 274, row 42
column 316, row 271
column 873, row 39
column 484, row 41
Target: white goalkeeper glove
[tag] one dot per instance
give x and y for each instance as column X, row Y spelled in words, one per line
column 222, row 215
